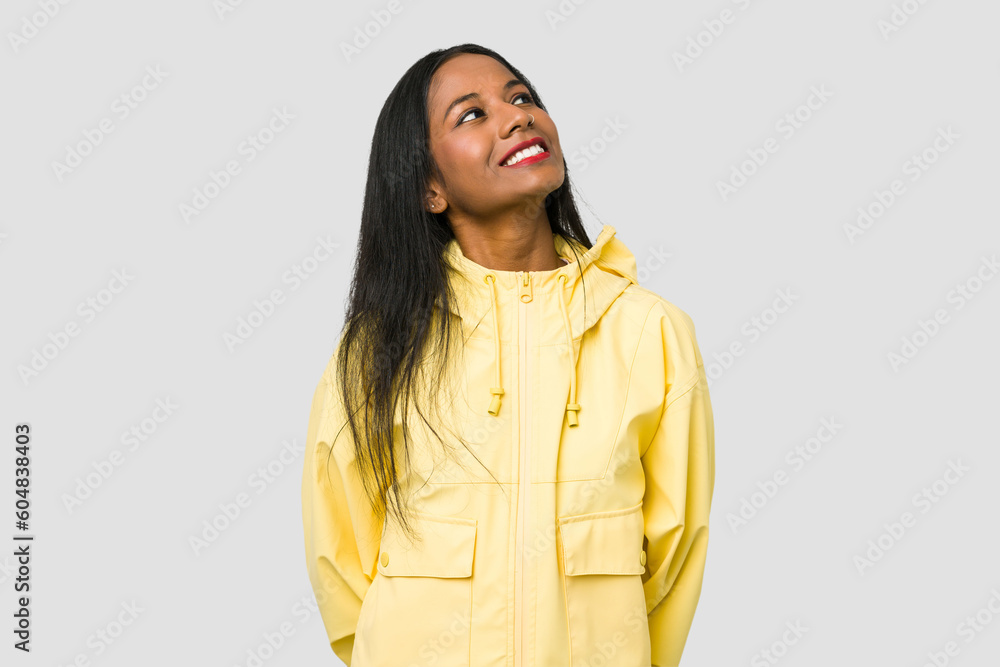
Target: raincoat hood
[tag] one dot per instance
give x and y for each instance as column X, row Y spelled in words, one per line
column 606, row 269
column 560, row 490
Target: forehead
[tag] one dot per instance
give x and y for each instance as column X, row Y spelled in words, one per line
column 465, row 73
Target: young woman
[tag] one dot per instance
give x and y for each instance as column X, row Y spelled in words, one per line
column 510, row 454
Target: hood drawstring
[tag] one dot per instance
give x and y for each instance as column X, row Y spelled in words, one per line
column 572, row 408
column 497, row 391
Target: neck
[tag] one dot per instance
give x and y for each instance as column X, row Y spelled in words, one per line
column 509, row 248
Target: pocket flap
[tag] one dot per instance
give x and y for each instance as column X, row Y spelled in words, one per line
column 447, row 548
column 603, row 542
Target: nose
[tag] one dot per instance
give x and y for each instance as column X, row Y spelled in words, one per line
column 518, row 119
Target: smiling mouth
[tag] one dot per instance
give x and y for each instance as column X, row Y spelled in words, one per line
column 533, row 153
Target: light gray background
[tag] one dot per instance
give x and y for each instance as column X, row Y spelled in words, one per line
column 681, row 131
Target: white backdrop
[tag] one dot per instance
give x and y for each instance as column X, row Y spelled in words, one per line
column 814, row 183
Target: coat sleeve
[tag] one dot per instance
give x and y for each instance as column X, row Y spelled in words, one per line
column 679, row 470
column 342, row 534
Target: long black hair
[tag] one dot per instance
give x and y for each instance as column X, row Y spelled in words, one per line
column 399, row 276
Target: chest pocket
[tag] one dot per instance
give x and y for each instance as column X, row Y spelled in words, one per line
column 422, row 609
column 602, row 566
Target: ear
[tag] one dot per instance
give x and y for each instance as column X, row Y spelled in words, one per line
column 434, row 200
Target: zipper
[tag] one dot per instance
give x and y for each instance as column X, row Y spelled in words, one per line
column 524, row 480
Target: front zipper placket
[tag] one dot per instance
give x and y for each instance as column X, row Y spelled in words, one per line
column 524, row 474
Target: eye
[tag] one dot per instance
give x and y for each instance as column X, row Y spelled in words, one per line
column 526, row 96
column 461, row 119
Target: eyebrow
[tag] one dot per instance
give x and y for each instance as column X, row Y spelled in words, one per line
column 465, row 98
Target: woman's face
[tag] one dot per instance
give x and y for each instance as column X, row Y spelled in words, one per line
column 470, row 139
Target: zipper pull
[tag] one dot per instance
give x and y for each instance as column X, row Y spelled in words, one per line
column 526, row 287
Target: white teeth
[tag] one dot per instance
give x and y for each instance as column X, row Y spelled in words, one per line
column 520, row 155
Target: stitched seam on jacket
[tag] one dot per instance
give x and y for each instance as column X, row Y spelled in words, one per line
column 687, row 387
column 628, row 385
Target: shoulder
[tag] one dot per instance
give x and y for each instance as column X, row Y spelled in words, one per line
column 648, row 307
column 327, row 415
column 665, row 330
column 325, row 386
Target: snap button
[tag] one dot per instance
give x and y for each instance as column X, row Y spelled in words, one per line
column 385, row 559
column 642, row 557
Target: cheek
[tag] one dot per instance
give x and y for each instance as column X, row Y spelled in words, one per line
column 553, row 134
column 463, row 153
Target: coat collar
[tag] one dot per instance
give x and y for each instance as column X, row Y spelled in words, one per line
column 603, row 273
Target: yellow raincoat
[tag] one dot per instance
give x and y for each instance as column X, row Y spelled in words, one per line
column 592, row 549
